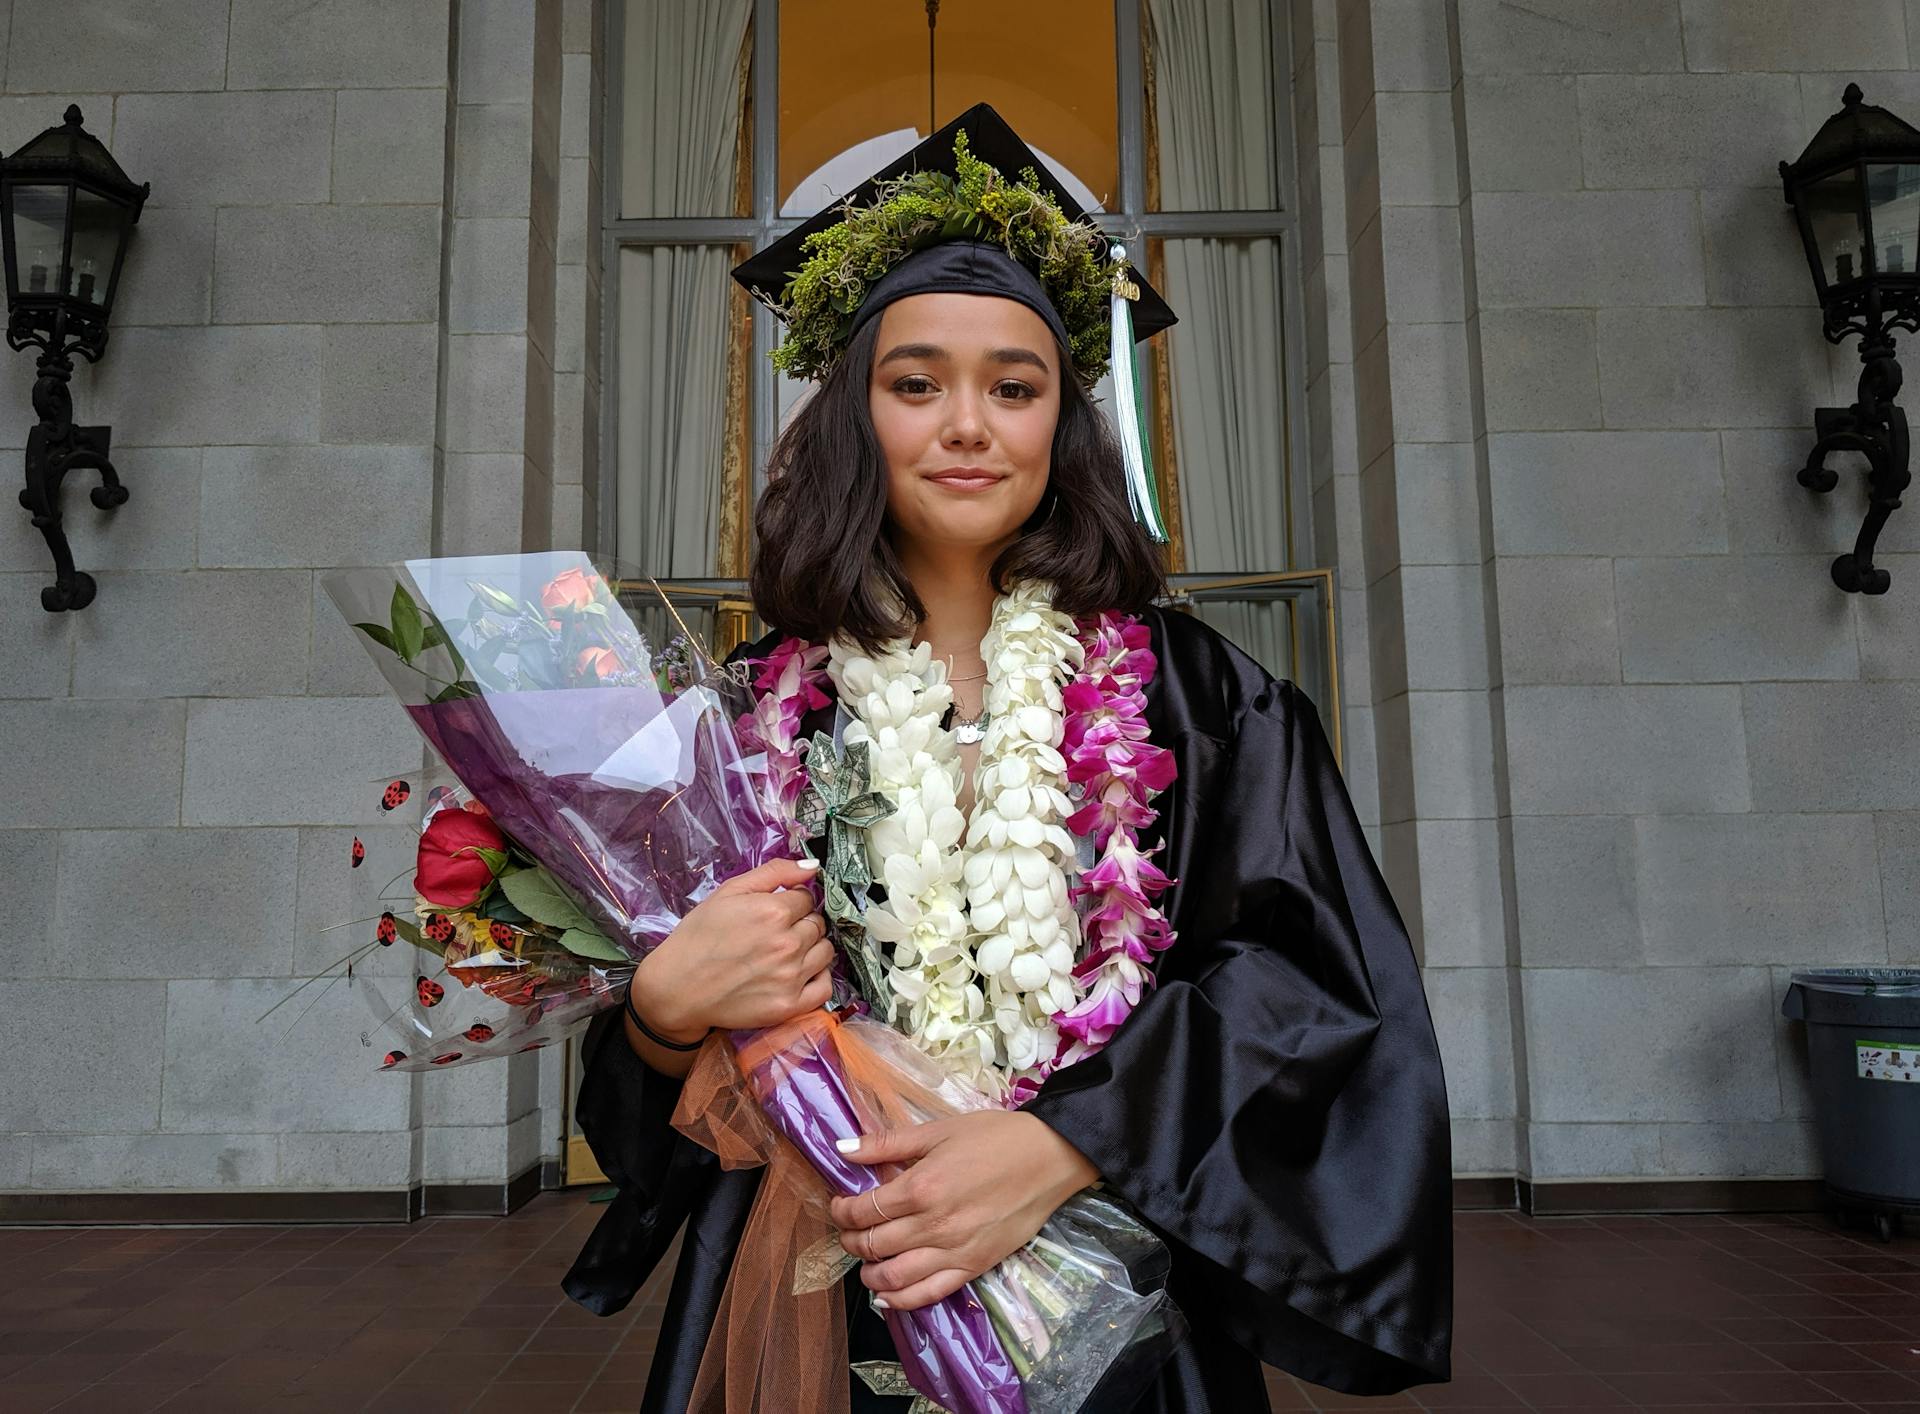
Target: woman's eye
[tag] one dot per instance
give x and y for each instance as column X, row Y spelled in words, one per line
column 914, row 384
column 1017, row 391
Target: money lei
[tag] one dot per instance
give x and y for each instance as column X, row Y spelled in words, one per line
column 837, row 807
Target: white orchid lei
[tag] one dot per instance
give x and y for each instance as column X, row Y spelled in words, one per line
column 990, row 963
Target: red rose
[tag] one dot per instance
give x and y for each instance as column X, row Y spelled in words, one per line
column 449, row 870
column 571, row 589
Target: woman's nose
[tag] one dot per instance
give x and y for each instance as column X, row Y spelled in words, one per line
column 966, row 422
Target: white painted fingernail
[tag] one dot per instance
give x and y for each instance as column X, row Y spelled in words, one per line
column 846, row 1146
column 809, row 863
column 880, row 1304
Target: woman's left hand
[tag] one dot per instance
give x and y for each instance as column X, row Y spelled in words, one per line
column 979, row 1188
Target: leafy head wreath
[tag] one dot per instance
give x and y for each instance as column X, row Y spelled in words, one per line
column 1075, row 262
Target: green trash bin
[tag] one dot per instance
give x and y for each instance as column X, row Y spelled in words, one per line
column 1863, row 1044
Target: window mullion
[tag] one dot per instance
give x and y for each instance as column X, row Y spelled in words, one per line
column 1130, row 76
column 763, row 393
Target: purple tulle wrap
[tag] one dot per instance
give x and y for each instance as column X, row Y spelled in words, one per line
column 948, row 1350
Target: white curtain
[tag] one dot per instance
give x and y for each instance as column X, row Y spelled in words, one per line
column 1213, row 94
column 680, row 106
column 679, row 134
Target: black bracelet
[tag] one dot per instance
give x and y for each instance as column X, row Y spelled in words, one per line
column 655, row 1036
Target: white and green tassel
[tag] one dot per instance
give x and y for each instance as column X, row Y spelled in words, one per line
column 1129, row 406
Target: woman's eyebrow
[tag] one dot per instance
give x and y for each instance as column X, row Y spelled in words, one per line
column 1018, row 356
column 934, row 351
column 912, row 352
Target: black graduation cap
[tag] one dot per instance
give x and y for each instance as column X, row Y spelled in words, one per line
column 768, row 272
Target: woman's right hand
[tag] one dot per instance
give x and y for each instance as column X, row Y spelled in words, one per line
column 752, row 953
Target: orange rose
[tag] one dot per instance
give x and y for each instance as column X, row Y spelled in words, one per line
column 597, row 662
column 572, row 589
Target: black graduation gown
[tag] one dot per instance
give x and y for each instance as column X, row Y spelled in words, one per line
column 1274, row 1108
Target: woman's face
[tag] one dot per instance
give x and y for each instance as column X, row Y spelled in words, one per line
column 965, row 394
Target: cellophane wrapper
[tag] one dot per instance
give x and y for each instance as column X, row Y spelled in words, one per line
column 489, row 989
column 607, row 758
column 1081, row 1309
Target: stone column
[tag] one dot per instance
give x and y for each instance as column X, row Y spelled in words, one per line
column 1419, row 497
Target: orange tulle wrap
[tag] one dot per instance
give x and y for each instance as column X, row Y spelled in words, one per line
column 779, row 1338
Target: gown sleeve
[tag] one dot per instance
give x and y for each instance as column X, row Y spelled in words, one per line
column 625, row 1110
column 1275, row 1105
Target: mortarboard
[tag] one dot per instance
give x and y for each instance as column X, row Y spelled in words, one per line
column 767, row 272
column 1069, row 273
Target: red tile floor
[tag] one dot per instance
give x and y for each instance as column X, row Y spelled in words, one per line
column 1565, row 1314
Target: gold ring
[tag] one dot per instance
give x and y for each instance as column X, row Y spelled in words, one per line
column 874, row 1195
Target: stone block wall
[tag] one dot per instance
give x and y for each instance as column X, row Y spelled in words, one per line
column 1617, row 704
column 340, row 340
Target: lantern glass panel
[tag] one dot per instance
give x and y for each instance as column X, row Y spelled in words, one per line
column 1832, row 205
column 39, row 235
column 97, row 224
column 1893, row 192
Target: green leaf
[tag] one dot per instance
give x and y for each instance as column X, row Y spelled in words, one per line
column 409, row 633
column 585, row 942
column 410, row 931
column 436, row 636
column 454, row 692
column 380, row 634
column 534, row 893
column 496, row 905
column 505, row 603
column 496, row 859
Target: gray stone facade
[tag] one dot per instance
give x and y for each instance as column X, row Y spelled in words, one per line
column 1604, row 696
column 338, row 343
column 1562, row 357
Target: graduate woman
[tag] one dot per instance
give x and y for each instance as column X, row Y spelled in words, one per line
column 1245, row 1057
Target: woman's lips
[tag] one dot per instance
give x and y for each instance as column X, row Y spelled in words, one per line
column 964, row 481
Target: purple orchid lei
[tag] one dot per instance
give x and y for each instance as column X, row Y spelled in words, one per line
column 1107, row 751
column 787, row 687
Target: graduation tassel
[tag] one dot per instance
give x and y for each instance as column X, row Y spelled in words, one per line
column 1129, row 407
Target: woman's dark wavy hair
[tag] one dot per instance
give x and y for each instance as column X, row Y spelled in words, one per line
column 823, row 563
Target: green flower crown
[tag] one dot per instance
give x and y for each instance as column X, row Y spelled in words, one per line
column 927, row 208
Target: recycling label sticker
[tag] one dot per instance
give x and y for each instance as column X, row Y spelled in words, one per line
column 1886, row 1060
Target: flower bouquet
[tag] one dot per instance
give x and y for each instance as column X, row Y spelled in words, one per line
column 602, row 791
column 607, row 786
column 490, row 977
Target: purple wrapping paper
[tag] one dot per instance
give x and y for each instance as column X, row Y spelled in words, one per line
column 948, row 1349
column 639, row 852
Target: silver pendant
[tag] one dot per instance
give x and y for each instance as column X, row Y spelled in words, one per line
column 967, row 733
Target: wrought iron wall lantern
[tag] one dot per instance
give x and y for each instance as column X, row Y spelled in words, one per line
column 66, row 212
column 1855, row 192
